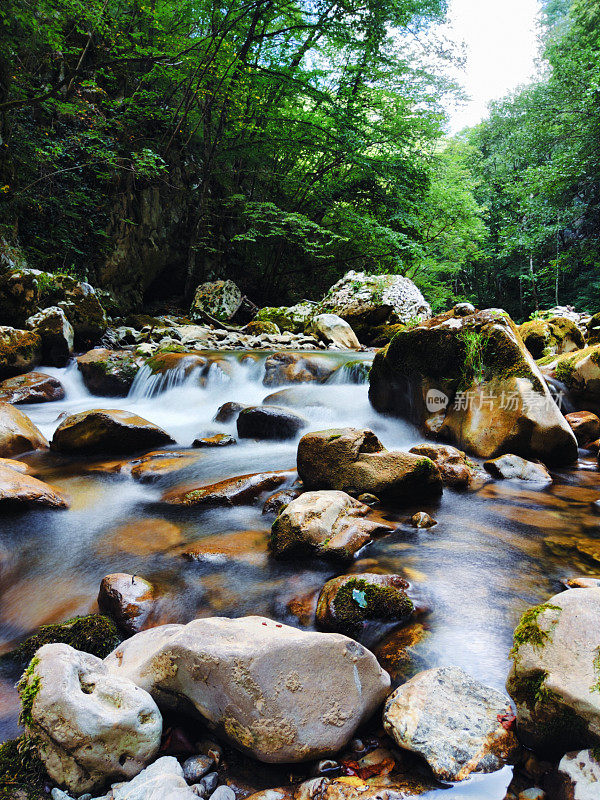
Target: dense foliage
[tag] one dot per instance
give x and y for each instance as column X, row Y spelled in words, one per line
column 276, row 142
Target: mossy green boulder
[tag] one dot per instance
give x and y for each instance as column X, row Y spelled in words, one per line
column 288, row 318
column 20, row 351
column 109, row 373
column 471, row 381
column 553, row 336
column 580, row 373
column 346, row 604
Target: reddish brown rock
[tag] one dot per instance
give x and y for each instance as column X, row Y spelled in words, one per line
column 242, row 490
column 128, row 599
column 585, row 426
column 109, row 373
column 33, row 387
column 17, row 489
column 457, row 470
column 107, row 431
column 18, row 434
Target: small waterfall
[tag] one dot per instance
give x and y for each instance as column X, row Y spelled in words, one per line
column 148, row 384
column 356, row 372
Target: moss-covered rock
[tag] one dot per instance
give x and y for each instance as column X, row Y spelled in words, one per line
column 93, row 634
column 347, row 603
column 22, row 774
column 219, row 299
column 553, row 336
column 19, row 295
column 471, row 381
column 259, row 327
column 593, row 329
column 109, row 373
column 288, row 318
column 580, row 372
column 20, row 351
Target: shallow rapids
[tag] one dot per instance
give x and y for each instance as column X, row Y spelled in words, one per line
column 473, row 574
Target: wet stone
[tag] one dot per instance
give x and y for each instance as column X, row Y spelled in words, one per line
column 196, row 768
column 422, row 520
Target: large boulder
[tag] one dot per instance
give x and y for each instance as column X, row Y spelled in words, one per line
column 18, row 434
column 81, row 305
column 329, row 524
column 56, row 333
column 580, row 373
column 282, row 368
column 281, row 694
column 219, row 299
column 238, row 491
column 348, row 603
column 453, row 721
column 585, row 425
column 365, row 301
column 545, row 337
column 19, row 295
column 20, row 490
column 269, row 422
column 33, row 387
column 288, row 318
column 91, row 726
column 107, row 431
column 555, row 675
column 334, row 330
column 109, row 373
column 354, row 461
column 471, row 381
column 20, row 351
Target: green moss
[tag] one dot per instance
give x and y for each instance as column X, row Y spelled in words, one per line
column 21, row 770
column 93, row 634
column 528, row 630
column 28, row 687
column 596, row 686
column 359, row 600
column 529, row 689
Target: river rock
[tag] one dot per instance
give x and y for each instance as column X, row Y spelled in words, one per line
column 196, row 768
column 19, row 295
column 259, row 327
column 220, row 299
column 555, row 674
column 281, row 694
column 162, row 780
column 368, row 300
column 347, row 603
column 282, row 368
column 33, row 387
column 56, row 333
column 421, row 519
column 329, row 524
column 585, row 425
column 580, row 773
column 511, row 467
column 269, row 422
column 218, row 440
column 288, row 318
column 229, row 412
column 472, row 382
column 81, row 305
column 159, row 464
column 334, row 330
column 18, row 489
column 18, row 434
column 277, row 502
column 20, row 351
column 107, row 431
column 453, row 721
column 128, row 599
column 580, row 373
column 456, row 469
column 354, row 460
column 239, row 491
column 91, row 726
column 182, row 364
column 553, row 336
column 109, row 373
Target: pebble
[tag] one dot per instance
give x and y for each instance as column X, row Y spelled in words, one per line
column 223, row 793
column 533, row 794
column 196, row 768
column 422, row 520
column 327, row 767
column 210, row 782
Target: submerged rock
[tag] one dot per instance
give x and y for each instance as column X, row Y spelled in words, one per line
column 282, row 368
column 128, row 599
column 510, row 467
column 20, row 351
column 347, row 603
column 238, row 491
column 354, row 460
column 91, row 726
column 56, row 333
column 555, row 674
column 107, row 431
column 33, row 387
column 269, row 422
column 109, row 373
column 471, row 381
column 453, row 721
column 280, row 694
column 18, row 434
column 422, row 520
column 334, row 330
column 218, row 440
column 329, row 524
column 158, row 464
column 17, row 489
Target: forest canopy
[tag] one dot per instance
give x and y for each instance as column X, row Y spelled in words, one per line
column 149, row 147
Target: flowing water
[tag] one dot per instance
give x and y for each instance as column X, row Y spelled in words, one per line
column 473, row 574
